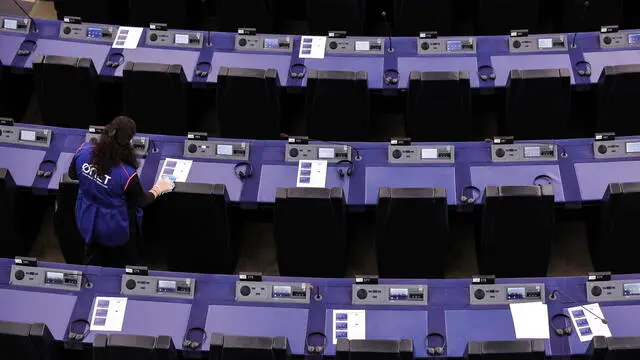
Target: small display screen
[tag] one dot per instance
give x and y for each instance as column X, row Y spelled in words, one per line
column 362, row 46
column 10, row 24
column 167, row 286
column 429, row 153
column 182, row 39
column 454, row 45
column 631, row 289
column 271, row 43
column 633, row 147
column 634, row 38
column 516, row 293
column 398, row 294
column 54, row 277
column 532, row 151
column 281, row 291
column 94, row 32
column 545, row 43
column 224, row 149
column 27, row 135
column 326, row 153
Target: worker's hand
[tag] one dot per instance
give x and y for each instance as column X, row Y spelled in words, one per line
column 164, row 186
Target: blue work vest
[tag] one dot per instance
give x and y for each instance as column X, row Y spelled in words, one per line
column 102, row 214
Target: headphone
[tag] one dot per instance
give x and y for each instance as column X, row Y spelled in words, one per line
column 248, row 171
column 437, row 350
column 487, row 77
column 115, row 64
column 542, row 180
column 202, row 73
column 315, row 349
column 587, row 68
column 193, row 345
column 389, row 77
column 298, row 75
column 469, row 199
column 25, row 52
column 46, row 173
column 349, row 171
column 566, row 331
column 79, row 336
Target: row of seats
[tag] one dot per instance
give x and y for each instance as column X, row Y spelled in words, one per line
column 538, row 102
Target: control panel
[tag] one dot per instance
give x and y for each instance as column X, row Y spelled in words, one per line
column 613, row 290
column 457, row 45
column 620, row 39
column 218, row 150
column 274, row 292
column 377, row 294
column 175, row 38
column 502, row 294
column 523, row 152
column 46, row 278
column 15, row 24
column 355, row 45
column 92, row 32
column 25, row 136
column 330, row 152
column 269, row 43
column 538, row 43
column 140, row 144
column 422, row 154
column 168, row 287
column 616, row 149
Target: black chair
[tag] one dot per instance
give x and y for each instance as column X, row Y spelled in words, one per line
column 20, row 341
column 499, row 17
column 538, row 104
column 155, row 96
column 613, row 348
column 410, row 224
column 91, row 12
column 68, row 90
column 413, row 16
column 133, row 347
column 517, row 230
column 329, row 15
column 235, row 14
column 590, row 15
column 439, row 106
column 617, row 96
column 505, row 350
column 337, row 105
column 64, row 222
column 227, row 347
column 375, row 349
column 309, row 229
column 11, row 244
column 248, row 102
column 172, row 13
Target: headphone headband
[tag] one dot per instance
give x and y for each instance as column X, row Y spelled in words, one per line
column 193, row 345
column 315, row 349
column 391, row 76
column 243, row 174
column 562, row 331
column 470, row 199
column 435, row 350
column 46, row 173
column 72, row 335
column 298, row 75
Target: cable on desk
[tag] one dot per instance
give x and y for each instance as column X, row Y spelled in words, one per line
column 564, row 153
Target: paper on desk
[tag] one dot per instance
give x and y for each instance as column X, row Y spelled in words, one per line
column 349, row 324
column 312, row 173
column 127, row 37
column 108, row 313
column 587, row 320
column 530, row 320
column 312, row 47
column 176, row 170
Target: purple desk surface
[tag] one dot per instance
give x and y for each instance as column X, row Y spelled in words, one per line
column 62, row 167
column 152, row 318
column 457, row 63
column 502, row 65
column 97, row 52
column 478, row 325
column 23, row 163
column 374, row 66
column 9, row 45
column 38, row 307
column 622, row 322
column 259, row 321
column 495, row 175
column 409, row 177
column 273, row 177
column 213, row 173
column 599, row 60
column 593, row 178
column 188, row 59
column 250, row 61
column 387, row 325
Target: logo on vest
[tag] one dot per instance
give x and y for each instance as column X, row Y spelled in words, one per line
column 91, row 172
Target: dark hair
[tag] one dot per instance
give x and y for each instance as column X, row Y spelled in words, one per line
column 114, row 147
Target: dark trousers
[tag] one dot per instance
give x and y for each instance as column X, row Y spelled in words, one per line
column 97, row 254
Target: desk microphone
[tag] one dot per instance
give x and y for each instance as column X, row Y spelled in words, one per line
column 553, row 296
column 388, row 26
column 585, row 6
column 33, row 21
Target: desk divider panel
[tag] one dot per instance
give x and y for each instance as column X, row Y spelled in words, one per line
column 503, row 64
column 273, row 177
column 22, row 163
column 495, row 175
column 96, row 52
column 593, row 178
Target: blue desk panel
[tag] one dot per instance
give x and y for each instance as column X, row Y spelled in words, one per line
column 23, row 163
column 273, row 177
column 188, row 59
column 9, row 45
column 96, row 52
column 409, row 177
column 625, row 324
column 502, row 65
column 440, row 63
column 250, row 61
column 373, row 65
column 503, row 175
column 599, row 60
column 593, row 178
column 214, row 173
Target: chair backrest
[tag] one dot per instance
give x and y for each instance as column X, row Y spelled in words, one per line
column 173, row 13
column 375, row 349
column 133, row 347
column 228, row 347
column 20, row 341
column 337, row 105
column 235, row 14
column 309, row 228
column 499, row 17
column 10, row 246
column 68, row 90
column 617, row 96
column 248, row 103
column 329, row 15
column 590, row 15
column 505, row 350
column 439, row 106
column 413, row 16
column 64, row 222
column 155, row 96
column 613, row 348
column 410, row 224
column 518, row 227
column 538, row 104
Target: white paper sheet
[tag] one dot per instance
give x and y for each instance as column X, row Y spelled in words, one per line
column 127, row 37
column 312, row 173
column 176, row 170
column 312, row 47
column 349, row 324
column 108, row 313
column 587, row 320
column 530, row 320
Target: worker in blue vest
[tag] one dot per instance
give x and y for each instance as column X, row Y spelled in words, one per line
column 110, row 196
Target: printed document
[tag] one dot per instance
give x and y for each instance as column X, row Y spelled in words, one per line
column 127, row 37
column 312, row 47
column 312, row 173
column 108, row 313
column 587, row 320
column 176, row 170
column 349, row 324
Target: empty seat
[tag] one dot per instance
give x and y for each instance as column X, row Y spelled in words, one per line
column 329, row 15
column 411, row 223
column 228, row 347
column 68, row 90
column 375, row 349
column 155, row 96
column 337, row 105
column 505, row 350
column 617, row 96
column 613, row 348
column 20, row 341
column 11, row 244
column 64, row 222
column 413, row 16
column 172, row 13
column 590, row 15
column 133, row 347
column 248, row 102
column 499, row 17
column 309, row 229
column 235, row 14
column 538, row 104
column 518, row 228
column 439, row 106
